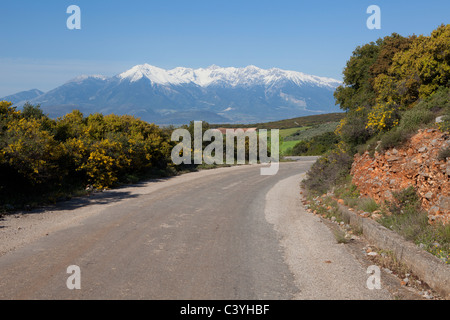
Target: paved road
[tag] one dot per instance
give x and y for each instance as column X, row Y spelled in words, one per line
column 228, row 233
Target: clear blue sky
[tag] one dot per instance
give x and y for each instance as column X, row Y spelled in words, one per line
column 315, row 37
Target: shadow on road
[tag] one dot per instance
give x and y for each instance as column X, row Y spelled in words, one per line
column 97, row 197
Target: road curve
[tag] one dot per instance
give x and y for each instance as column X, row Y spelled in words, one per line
column 226, row 233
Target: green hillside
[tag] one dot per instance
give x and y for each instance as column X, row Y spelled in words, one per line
column 289, row 123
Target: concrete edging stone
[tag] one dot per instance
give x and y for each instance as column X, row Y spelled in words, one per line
column 426, row 266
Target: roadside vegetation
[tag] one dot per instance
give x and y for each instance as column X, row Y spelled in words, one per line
column 392, row 88
column 402, row 215
column 43, row 160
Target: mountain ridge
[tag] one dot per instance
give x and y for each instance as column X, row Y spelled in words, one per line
column 179, row 95
column 23, row 95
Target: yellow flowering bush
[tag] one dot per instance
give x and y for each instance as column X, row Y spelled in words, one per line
column 30, row 150
column 381, row 118
column 341, row 124
column 104, row 164
column 39, row 155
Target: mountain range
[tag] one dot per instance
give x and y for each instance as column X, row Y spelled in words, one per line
column 177, row 96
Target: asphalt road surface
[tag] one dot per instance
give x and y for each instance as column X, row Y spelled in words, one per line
column 226, row 233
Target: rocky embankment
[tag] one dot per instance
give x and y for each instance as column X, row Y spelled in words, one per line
column 417, row 164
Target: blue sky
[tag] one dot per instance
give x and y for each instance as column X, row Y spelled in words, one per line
column 316, row 37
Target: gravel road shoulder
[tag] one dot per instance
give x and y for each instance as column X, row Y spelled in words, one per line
column 323, row 269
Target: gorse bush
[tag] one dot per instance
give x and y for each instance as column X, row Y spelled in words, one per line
column 40, row 156
column 411, row 120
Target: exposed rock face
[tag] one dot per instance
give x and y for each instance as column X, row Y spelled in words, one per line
column 414, row 164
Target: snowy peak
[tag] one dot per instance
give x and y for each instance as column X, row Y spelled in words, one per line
column 230, row 76
column 154, row 74
column 82, row 78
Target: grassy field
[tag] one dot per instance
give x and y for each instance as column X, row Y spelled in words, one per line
column 284, row 133
column 286, row 146
column 289, row 123
column 311, row 132
column 290, row 137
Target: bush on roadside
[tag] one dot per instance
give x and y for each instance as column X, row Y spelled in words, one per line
column 405, row 200
column 42, row 158
column 394, row 138
column 328, row 171
column 411, row 120
column 300, row 148
column 367, row 205
column 415, row 118
column 353, row 131
column 408, row 219
column 439, row 102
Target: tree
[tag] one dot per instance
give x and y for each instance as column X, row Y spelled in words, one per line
column 417, row 72
column 390, row 46
column 30, row 111
column 357, row 90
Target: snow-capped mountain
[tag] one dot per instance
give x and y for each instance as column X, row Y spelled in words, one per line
column 213, row 94
column 249, row 76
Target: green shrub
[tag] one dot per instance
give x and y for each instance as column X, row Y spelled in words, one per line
column 345, row 189
column 445, row 125
column 367, row 205
column 394, row 138
column 331, row 168
column 354, row 132
column 300, row 148
column 415, row 118
column 444, row 154
column 410, row 224
column 30, row 111
column 405, row 201
column 409, row 220
column 437, row 102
